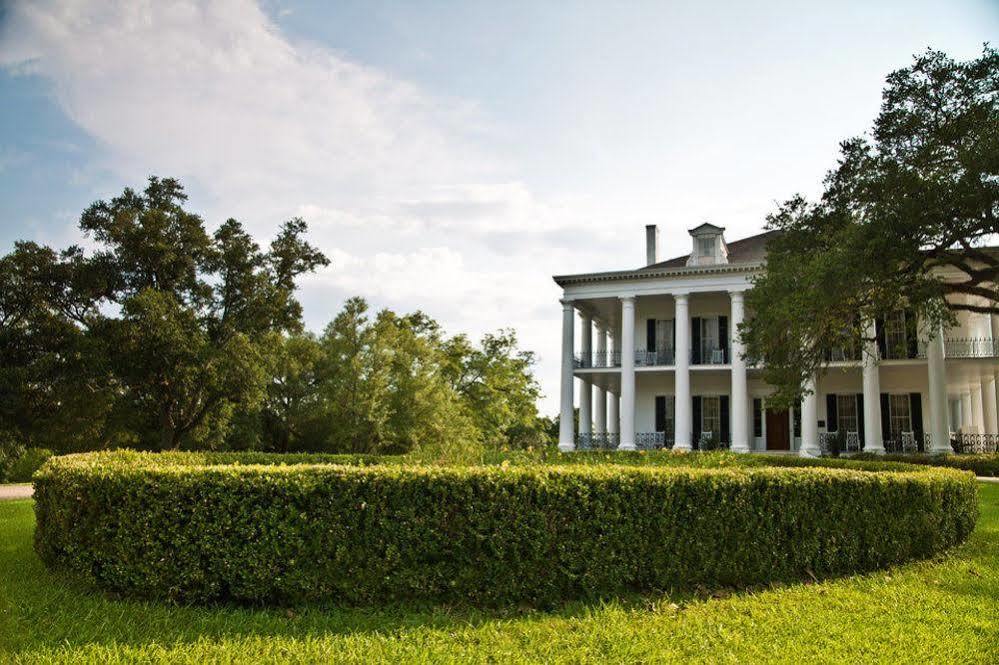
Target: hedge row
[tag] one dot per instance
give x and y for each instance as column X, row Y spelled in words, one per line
column 982, row 464
column 360, row 534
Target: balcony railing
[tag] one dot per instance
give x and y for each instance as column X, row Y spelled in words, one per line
column 967, row 347
column 611, row 440
column 709, row 356
column 602, row 359
column 597, row 359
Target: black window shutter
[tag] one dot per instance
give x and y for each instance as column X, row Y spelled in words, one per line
column 660, row 413
column 911, row 337
column 885, row 418
column 723, row 335
column 724, row 413
column 695, row 340
column 860, row 418
column 879, row 336
column 696, row 413
column 832, row 419
column 650, row 335
column 757, row 417
column 797, row 421
column 916, row 413
column 673, row 341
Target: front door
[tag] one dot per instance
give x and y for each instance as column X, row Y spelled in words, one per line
column 778, row 430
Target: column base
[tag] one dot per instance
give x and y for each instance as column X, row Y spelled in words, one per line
column 740, row 449
column 566, row 447
column 683, row 447
column 874, row 450
column 809, row 452
column 627, row 446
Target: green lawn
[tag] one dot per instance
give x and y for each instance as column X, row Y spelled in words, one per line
column 946, row 610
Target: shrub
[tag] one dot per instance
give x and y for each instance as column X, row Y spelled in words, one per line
column 166, row 526
column 982, row 464
column 25, row 465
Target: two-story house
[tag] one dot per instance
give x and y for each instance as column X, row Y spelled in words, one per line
column 659, row 364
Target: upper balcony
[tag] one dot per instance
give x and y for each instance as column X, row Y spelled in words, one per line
column 663, row 357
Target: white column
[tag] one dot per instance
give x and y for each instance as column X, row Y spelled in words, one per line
column 976, row 409
column 566, row 435
column 989, row 404
column 600, row 394
column 809, row 422
column 682, row 416
column 586, row 393
column 939, row 432
column 873, row 440
column 740, row 385
column 627, row 373
column 967, row 418
column 613, row 413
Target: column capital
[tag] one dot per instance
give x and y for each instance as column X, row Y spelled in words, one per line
column 681, row 296
column 627, row 299
column 567, row 304
column 737, row 294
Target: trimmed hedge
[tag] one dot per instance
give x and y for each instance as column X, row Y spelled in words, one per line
column 982, row 464
column 163, row 526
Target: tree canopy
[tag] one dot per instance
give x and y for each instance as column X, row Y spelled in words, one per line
column 168, row 336
column 904, row 222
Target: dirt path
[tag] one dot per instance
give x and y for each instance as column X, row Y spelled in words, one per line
column 12, row 492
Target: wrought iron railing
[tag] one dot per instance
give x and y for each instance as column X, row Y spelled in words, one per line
column 601, row 359
column 655, row 358
column 835, row 443
column 597, row 359
column 967, row 347
column 611, row 440
column 908, row 443
column 653, row 440
column 968, row 443
column 598, row 441
column 709, row 356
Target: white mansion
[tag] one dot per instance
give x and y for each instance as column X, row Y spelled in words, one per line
column 659, row 365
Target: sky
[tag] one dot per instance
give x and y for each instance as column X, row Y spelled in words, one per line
column 450, row 157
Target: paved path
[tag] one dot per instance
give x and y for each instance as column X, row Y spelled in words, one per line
column 12, row 492
column 987, row 479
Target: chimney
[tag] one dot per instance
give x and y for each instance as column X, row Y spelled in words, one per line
column 651, row 244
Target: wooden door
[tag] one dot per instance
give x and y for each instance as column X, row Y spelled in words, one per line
column 778, row 430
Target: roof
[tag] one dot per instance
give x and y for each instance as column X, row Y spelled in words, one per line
column 706, row 227
column 747, row 250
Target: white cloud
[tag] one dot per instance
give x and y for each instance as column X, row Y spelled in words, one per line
column 400, row 186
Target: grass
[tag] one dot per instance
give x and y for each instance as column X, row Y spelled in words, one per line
column 940, row 611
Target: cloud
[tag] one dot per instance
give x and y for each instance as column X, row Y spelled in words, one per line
column 402, row 187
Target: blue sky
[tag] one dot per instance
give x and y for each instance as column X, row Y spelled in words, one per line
column 450, row 156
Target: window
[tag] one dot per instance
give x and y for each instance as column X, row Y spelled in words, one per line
column 711, row 415
column 664, row 414
column 846, row 413
column 900, row 418
column 706, row 247
column 757, row 417
column 709, row 338
column 896, row 345
column 664, row 337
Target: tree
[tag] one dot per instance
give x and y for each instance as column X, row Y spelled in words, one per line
column 166, row 321
column 903, row 222
column 497, row 386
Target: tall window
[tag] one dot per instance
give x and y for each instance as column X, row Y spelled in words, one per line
column 664, row 414
column 705, row 246
column 846, row 413
column 895, row 337
column 709, row 337
column 711, row 415
column 900, row 416
column 664, row 336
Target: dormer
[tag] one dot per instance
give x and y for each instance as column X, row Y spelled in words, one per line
column 709, row 246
